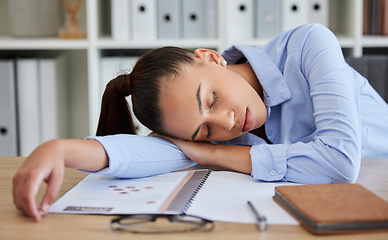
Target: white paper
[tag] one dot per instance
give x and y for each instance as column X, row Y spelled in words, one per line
column 107, row 195
column 224, row 198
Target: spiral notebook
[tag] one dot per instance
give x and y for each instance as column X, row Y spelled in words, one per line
column 213, row 195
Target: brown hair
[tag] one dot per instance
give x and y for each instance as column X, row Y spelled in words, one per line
column 144, row 84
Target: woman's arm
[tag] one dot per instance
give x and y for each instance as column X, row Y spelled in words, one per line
column 46, row 163
column 233, row 157
column 320, row 142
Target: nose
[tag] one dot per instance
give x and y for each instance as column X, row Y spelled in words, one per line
column 223, row 119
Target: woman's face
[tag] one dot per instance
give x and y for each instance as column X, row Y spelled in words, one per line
column 208, row 102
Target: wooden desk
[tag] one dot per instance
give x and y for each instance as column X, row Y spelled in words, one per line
column 14, row 225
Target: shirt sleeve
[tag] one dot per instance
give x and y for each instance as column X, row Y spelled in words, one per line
column 332, row 153
column 133, row 156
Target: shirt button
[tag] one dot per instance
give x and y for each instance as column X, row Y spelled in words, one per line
column 272, row 172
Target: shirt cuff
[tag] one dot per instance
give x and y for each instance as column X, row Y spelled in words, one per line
column 115, row 156
column 269, row 162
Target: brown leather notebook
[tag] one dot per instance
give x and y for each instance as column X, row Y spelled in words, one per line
column 334, row 208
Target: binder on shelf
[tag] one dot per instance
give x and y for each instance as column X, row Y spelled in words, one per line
column 105, row 18
column 121, row 20
column 199, row 19
column 366, row 17
column 8, row 120
column 53, row 98
column 193, row 19
column 211, row 19
column 28, row 105
column 169, row 19
column 294, row 13
column 318, row 12
column 144, row 20
column 239, row 19
column 267, row 18
column 385, row 18
column 111, row 67
column 373, row 15
column 380, row 17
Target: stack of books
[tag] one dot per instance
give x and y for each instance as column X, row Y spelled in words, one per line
column 375, row 17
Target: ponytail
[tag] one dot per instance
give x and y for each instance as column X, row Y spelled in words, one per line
column 145, row 83
column 115, row 116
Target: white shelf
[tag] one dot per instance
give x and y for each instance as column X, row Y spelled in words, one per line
column 346, row 42
column 250, row 42
column 375, row 41
column 9, row 43
column 108, row 43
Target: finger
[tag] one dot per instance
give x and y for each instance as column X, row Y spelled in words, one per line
column 54, row 183
column 15, row 187
column 27, row 192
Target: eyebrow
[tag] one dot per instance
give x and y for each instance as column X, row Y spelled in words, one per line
column 200, row 111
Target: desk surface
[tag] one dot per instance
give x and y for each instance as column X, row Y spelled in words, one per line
column 14, row 225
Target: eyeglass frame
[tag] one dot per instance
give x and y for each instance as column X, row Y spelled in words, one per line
column 201, row 225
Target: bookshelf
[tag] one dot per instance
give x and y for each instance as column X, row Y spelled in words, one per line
column 84, row 55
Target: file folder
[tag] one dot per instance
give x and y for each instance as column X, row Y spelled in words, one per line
column 211, row 19
column 28, row 105
column 267, row 18
column 8, row 128
column 318, row 12
column 144, row 20
column 121, row 20
column 169, row 20
column 239, row 19
column 53, row 98
column 294, row 13
column 193, row 19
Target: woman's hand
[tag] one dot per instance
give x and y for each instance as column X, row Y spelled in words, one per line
column 232, row 157
column 47, row 163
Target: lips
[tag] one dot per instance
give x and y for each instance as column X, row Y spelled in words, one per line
column 247, row 121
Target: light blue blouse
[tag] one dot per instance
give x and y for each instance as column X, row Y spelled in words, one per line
column 323, row 117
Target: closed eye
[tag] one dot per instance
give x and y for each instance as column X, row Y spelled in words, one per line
column 209, row 130
column 214, row 99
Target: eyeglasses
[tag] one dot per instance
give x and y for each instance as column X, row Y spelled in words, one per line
column 160, row 223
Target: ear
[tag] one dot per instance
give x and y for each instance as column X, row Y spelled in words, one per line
column 207, row 55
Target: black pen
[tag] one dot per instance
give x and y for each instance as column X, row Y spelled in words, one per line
column 261, row 220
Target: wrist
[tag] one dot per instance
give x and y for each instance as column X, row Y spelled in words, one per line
column 200, row 152
column 233, row 157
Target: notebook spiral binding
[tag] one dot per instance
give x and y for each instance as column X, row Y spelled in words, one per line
column 199, row 186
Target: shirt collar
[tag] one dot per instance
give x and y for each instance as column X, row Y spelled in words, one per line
column 275, row 88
